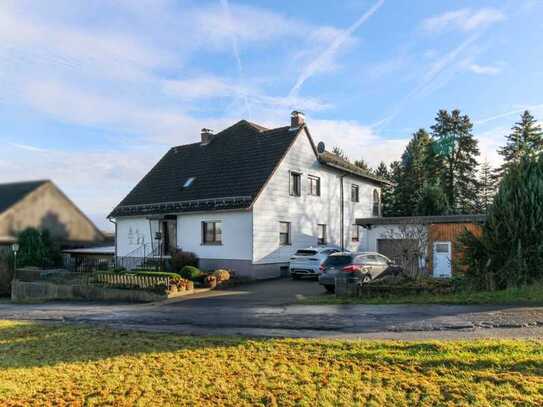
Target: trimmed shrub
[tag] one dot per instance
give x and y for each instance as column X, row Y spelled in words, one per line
column 181, row 259
column 221, row 275
column 6, row 273
column 191, row 273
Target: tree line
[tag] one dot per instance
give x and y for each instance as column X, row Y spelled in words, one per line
column 439, row 172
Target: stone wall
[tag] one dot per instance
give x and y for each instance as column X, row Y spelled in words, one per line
column 34, row 285
column 41, row 291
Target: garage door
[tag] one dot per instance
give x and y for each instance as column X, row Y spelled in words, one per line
column 403, row 252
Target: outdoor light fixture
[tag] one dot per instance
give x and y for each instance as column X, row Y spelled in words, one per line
column 14, row 249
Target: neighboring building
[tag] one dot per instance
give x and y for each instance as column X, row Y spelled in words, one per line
column 42, row 205
column 247, row 198
column 90, row 258
column 428, row 242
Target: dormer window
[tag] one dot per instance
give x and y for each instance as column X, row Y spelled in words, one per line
column 189, row 182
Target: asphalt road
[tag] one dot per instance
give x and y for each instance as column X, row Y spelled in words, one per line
column 269, row 309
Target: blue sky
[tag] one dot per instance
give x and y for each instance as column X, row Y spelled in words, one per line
column 93, row 93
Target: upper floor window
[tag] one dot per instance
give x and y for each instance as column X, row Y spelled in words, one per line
column 376, row 203
column 284, row 233
column 212, row 232
column 295, row 184
column 356, row 233
column 322, row 234
column 355, row 193
column 314, row 185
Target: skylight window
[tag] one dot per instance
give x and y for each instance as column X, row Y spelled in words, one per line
column 188, row 182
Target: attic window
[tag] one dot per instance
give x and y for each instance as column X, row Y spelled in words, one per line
column 188, row 182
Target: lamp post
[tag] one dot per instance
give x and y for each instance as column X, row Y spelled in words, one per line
column 14, row 249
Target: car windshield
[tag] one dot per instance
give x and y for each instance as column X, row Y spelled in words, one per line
column 306, row 253
column 341, row 260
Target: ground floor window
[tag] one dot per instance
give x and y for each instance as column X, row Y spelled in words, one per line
column 356, row 233
column 212, row 232
column 322, row 234
column 284, row 233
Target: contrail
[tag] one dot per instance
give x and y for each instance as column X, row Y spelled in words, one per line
column 511, row 112
column 235, row 49
column 429, row 78
column 312, row 68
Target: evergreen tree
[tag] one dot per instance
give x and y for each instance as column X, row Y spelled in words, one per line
column 413, row 173
column 382, row 171
column 432, row 201
column 456, row 151
column 526, row 139
column 386, row 190
column 487, row 187
column 362, row 164
column 391, row 204
column 510, row 251
column 340, row 153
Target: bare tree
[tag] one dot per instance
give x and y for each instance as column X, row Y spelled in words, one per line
column 410, row 246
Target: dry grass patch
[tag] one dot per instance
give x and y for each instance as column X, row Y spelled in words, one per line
column 67, row 365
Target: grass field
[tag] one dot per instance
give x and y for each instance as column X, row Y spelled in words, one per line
column 68, row 365
column 532, row 295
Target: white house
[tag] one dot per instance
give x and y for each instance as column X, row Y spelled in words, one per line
column 247, row 198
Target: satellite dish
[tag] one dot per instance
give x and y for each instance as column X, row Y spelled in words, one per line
column 321, row 147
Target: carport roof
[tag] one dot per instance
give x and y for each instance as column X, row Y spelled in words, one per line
column 398, row 220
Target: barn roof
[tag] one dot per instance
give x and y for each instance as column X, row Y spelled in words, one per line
column 14, row 192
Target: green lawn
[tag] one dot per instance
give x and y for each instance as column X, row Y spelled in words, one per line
column 532, row 295
column 69, row 365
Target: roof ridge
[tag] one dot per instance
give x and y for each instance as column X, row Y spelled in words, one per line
column 37, row 181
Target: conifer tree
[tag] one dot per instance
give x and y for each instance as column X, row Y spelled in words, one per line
column 525, row 139
column 487, row 187
column 362, row 164
column 456, row 152
column 340, row 153
column 413, row 173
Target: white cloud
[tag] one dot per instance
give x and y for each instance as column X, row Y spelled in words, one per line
column 464, row 20
column 484, row 69
column 95, row 180
column 357, row 140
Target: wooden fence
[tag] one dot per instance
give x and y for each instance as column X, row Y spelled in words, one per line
column 130, row 280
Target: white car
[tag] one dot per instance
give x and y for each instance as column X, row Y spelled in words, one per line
column 307, row 262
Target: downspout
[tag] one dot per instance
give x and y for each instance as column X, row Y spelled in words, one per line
column 342, row 212
column 115, row 256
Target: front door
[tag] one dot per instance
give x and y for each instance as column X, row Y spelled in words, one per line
column 169, row 236
column 442, row 261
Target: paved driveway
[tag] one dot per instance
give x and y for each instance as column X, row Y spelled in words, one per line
column 269, row 309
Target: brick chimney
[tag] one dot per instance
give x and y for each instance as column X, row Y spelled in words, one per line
column 207, row 136
column 297, row 119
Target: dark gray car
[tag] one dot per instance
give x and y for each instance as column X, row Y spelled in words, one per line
column 370, row 264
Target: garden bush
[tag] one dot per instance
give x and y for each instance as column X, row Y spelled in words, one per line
column 180, row 259
column 191, row 273
column 5, row 273
column 221, row 275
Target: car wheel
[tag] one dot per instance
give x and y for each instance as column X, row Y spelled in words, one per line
column 295, row 276
column 330, row 288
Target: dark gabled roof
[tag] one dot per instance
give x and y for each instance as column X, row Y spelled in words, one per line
column 335, row 161
column 12, row 193
column 424, row 220
column 228, row 172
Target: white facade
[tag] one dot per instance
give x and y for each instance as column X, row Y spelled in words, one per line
column 306, row 212
column 250, row 237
